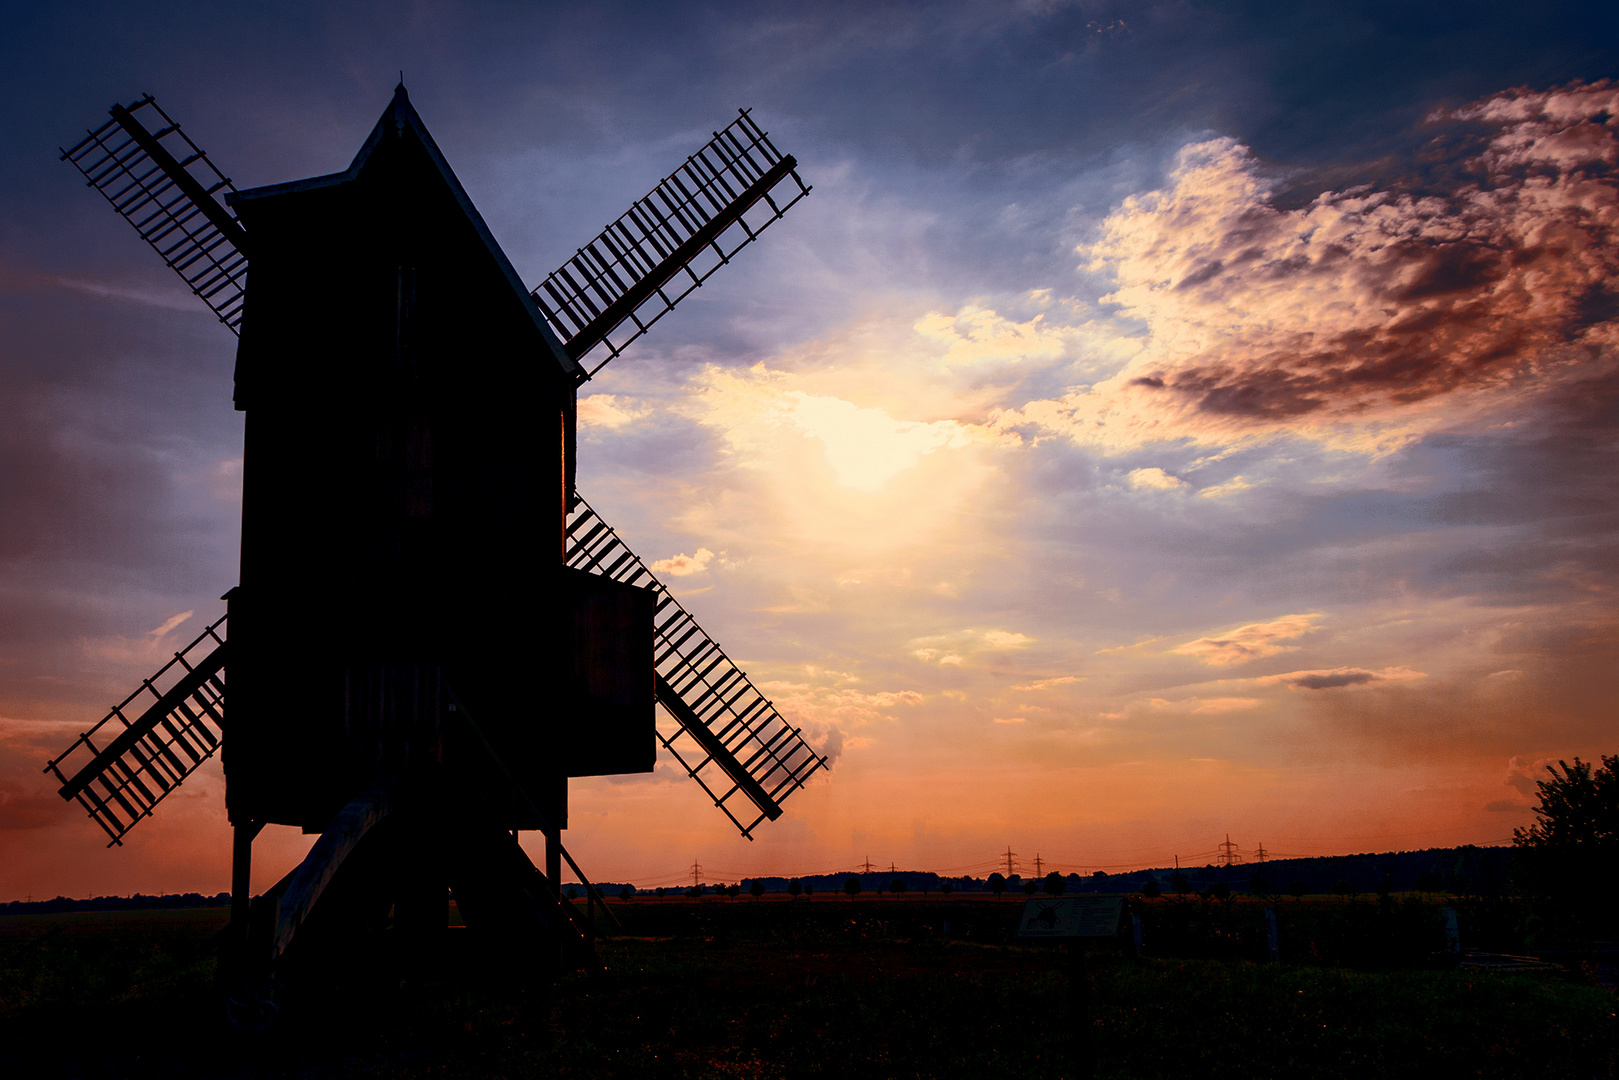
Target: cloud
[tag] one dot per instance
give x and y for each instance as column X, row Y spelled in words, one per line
column 1010, row 719
column 978, row 335
column 1201, row 706
column 1337, row 678
column 1524, row 775
column 609, row 411
column 1252, row 642
column 1046, row 684
column 170, row 623
column 1004, row 639
column 1154, row 480
column 683, row 565
column 867, row 447
column 837, row 706
column 864, row 446
column 1366, row 315
column 1220, row 705
column 1220, row 491
column 952, row 650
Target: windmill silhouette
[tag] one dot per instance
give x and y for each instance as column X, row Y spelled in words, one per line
column 432, row 631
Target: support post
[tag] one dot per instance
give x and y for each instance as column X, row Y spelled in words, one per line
column 553, row 860
column 241, row 883
column 1079, row 1012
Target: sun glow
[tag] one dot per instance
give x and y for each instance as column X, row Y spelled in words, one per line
column 867, row 448
column 835, row 473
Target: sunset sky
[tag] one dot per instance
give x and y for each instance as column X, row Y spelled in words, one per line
column 1161, row 421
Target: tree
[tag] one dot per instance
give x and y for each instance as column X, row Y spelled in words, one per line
column 1151, row 890
column 794, row 887
column 1344, row 887
column 1055, row 884
column 626, row 892
column 1297, row 889
column 733, row 890
column 1428, row 882
column 1258, row 884
column 852, row 885
column 1180, row 882
column 1578, row 811
column 897, row 886
column 1031, row 887
column 997, row 884
column 945, row 888
column 757, row 889
column 1572, row 851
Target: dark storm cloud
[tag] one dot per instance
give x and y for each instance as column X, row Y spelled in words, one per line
column 1331, row 680
column 1364, row 303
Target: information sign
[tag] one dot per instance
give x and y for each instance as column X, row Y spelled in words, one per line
column 1064, row 917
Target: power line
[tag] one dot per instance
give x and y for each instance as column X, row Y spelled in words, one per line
column 1011, row 864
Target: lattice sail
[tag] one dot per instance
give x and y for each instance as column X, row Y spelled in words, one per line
column 120, row 771
column 166, row 187
column 729, row 738
column 668, row 243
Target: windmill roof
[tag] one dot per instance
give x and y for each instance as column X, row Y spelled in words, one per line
column 399, row 116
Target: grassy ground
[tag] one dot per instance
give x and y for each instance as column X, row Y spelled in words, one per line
column 869, row 988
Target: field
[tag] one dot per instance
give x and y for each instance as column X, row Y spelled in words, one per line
column 824, row 987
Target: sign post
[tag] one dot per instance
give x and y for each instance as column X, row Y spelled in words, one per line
column 1070, row 920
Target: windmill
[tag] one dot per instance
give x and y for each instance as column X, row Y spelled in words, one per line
column 409, row 464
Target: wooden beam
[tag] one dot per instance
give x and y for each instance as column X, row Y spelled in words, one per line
column 309, row 880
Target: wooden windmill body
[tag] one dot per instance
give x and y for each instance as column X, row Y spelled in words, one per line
column 432, row 631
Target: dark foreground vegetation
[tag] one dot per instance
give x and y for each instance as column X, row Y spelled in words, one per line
column 892, row 987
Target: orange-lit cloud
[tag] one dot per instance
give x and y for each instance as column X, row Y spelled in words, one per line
column 1252, row 642
column 683, row 565
column 1367, row 315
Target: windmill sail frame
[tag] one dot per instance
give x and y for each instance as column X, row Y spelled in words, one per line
column 164, row 185
column 151, row 752
column 670, row 242
column 730, row 725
